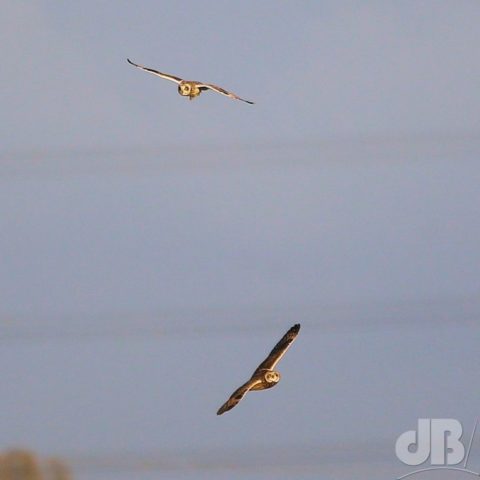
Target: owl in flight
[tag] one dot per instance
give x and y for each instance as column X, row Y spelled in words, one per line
column 264, row 376
column 189, row 88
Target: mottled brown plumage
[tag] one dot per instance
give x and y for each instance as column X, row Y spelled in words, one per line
column 190, row 88
column 264, row 376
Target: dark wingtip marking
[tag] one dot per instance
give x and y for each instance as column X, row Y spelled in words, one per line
column 223, row 409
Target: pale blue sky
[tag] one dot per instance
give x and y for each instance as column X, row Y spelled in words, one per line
column 155, row 249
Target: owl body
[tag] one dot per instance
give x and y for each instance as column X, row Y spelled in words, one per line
column 269, row 378
column 264, row 376
column 189, row 89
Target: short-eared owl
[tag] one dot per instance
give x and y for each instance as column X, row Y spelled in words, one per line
column 189, row 88
column 264, row 376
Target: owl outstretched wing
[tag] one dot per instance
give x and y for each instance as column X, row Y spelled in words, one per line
column 279, row 349
column 222, row 91
column 237, row 395
column 156, row 72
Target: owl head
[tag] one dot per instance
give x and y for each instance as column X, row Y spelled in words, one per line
column 272, row 376
column 184, row 89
